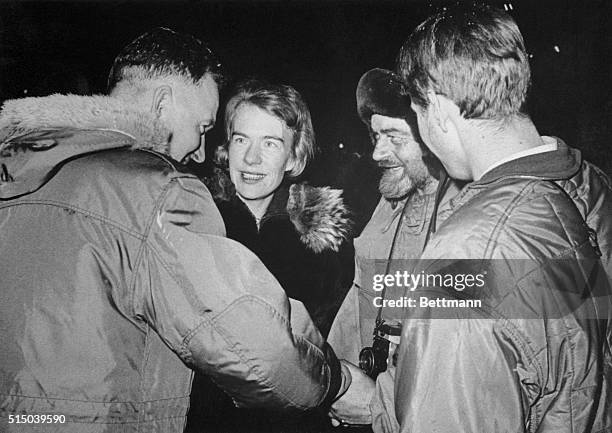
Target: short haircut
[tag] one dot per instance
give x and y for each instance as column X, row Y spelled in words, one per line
column 162, row 53
column 473, row 55
column 283, row 102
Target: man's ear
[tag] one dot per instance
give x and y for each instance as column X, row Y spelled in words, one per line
column 435, row 106
column 163, row 100
column 443, row 109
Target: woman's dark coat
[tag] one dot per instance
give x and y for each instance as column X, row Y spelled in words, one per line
column 304, row 240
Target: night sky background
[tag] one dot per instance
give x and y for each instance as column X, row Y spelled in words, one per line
column 321, row 48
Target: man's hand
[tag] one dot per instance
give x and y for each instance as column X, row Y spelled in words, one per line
column 353, row 407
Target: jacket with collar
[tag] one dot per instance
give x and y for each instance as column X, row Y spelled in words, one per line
column 116, row 276
column 536, row 355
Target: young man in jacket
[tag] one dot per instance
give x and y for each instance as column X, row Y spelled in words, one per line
column 116, row 275
column 534, row 354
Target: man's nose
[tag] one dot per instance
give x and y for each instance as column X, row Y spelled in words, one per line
column 252, row 155
column 380, row 149
column 200, row 153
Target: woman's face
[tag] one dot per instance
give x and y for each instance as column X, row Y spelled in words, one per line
column 259, row 152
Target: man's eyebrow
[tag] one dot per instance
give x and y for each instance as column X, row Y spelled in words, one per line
column 242, row 134
column 394, row 130
column 265, row 137
column 274, row 137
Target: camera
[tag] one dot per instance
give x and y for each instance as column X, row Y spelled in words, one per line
column 373, row 360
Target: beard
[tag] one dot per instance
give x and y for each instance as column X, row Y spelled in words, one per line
column 399, row 182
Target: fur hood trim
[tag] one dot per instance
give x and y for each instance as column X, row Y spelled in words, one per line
column 319, row 215
column 22, row 116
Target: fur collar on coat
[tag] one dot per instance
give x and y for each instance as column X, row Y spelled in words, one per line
column 319, row 214
column 23, row 116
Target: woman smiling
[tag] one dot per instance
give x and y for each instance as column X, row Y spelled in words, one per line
column 300, row 232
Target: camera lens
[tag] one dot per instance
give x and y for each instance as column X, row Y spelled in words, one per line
column 367, row 360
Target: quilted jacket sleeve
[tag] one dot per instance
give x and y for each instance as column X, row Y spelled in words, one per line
column 217, row 306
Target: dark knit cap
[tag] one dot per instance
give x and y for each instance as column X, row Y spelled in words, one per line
column 380, row 91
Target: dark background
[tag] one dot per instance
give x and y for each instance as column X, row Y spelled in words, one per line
column 321, row 48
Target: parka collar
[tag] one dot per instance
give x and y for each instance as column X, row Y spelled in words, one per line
column 39, row 134
column 318, row 214
column 562, row 163
column 19, row 117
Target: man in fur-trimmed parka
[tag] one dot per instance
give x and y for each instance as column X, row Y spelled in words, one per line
column 116, row 276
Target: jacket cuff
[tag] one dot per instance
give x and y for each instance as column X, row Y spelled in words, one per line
column 335, row 376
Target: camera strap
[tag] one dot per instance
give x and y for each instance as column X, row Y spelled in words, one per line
column 431, row 228
column 379, row 319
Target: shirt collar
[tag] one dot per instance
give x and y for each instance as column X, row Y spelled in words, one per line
column 550, row 145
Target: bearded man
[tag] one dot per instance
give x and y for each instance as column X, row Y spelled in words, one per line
column 397, row 230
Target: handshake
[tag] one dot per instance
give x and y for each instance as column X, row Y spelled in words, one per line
column 352, row 406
